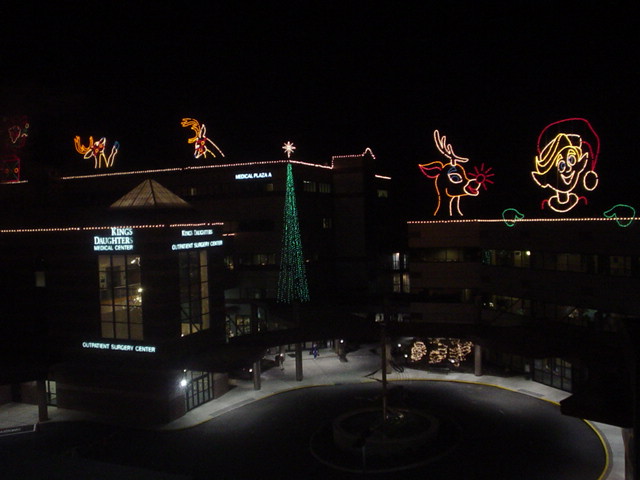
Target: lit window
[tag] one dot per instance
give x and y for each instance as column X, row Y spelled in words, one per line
column 309, row 186
column 194, row 291
column 327, row 223
column 324, row 187
column 383, row 193
column 120, row 296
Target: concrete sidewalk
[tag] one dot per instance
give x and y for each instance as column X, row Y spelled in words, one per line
column 362, row 365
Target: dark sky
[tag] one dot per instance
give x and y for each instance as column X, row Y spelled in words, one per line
column 332, row 77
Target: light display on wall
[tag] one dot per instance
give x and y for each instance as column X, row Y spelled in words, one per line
column 292, row 280
column 10, row 169
column 288, row 149
column 624, row 215
column 452, row 181
column 11, row 143
column 567, row 154
column 511, row 216
column 18, row 131
column 200, row 140
column 96, row 150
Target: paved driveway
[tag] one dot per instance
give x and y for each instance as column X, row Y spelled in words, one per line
column 492, row 433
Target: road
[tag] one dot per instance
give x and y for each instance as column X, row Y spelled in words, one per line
column 494, row 433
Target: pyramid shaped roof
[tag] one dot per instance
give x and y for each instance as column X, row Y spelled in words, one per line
column 150, row 194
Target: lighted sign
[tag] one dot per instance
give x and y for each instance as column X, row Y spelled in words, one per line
column 624, row 215
column 200, row 243
column 120, row 347
column 120, row 239
column 566, row 162
column 200, row 140
column 96, row 150
column 451, row 178
column 192, row 245
column 197, row 233
column 288, row 149
column 252, row 176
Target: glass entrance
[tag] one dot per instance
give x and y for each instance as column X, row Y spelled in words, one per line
column 199, row 388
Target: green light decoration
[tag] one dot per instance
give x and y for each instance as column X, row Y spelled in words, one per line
column 623, row 214
column 511, row 216
column 292, row 281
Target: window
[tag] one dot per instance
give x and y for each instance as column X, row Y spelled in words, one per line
column 401, row 283
column 198, row 388
column 324, row 187
column 553, row 372
column 383, row 193
column 620, row 265
column 257, row 259
column 327, row 223
column 120, row 296
column 194, row 291
column 309, row 186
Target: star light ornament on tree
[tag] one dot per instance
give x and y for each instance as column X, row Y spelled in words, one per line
column 288, row 149
column 292, row 281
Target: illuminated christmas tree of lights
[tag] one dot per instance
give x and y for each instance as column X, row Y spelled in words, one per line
column 292, row 281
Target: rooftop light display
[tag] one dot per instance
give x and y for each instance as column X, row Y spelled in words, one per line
column 16, row 133
column 451, row 179
column 96, row 150
column 200, row 140
column 565, row 164
column 288, row 149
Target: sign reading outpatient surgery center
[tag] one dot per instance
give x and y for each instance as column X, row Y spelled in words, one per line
column 120, row 239
column 120, row 347
column 198, row 240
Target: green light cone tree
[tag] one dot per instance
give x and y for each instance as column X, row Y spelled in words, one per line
column 292, row 281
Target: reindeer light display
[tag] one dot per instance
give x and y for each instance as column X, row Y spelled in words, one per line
column 200, row 140
column 451, row 178
column 96, row 150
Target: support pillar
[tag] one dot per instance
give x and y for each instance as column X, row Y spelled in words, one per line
column 477, row 360
column 298, row 362
column 43, row 414
column 256, row 375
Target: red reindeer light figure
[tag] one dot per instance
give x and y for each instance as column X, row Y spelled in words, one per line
column 451, row 178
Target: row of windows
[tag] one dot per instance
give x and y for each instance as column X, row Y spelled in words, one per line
column 194, row 291
column 121, row 294
column 568, row 314
column 616, row 265
column 248, row 186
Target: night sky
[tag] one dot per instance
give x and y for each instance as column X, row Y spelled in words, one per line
column 332, row 77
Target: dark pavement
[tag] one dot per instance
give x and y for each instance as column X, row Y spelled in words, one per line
column 492, row 433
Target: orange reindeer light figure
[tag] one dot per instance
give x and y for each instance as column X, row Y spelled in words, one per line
column 200, row 140
column 96, row 150
column 451, row 178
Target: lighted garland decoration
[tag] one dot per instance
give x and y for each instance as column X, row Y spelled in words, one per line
column 439, row 350
column 292, row 281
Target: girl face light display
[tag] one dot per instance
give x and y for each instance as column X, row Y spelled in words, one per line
column 566, row 163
